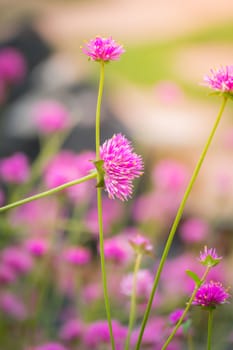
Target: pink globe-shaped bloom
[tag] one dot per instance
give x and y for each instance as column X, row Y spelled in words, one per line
column 77, row 255
column 194, row 230
column 12, row 66
column 121, row 166
column 97, row 334
column 103, row 49
column 36, row 246
column 169, row 175
column 7, row 274
column 17, row 258
column 117, row 249
column 143, row 286
column 15, row 169
column 71, row 330
column 220, row 79
column 51, row 116
column 12, row 306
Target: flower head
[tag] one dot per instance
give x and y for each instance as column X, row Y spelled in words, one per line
column 15, row 168
column 220, row 79
column 209, row 257
column 211, row 294
column 121, row 166
column 140, row 244
column 103, row 49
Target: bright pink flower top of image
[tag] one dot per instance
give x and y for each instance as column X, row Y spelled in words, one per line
column 220, row 79
column 121, row 166
column 51, row 116
column 12, row 65
column 103, row 49
column 15, row 169
column 211, row 294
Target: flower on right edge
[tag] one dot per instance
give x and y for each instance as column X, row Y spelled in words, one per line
column 220, row 79
column 211, row 294
column 121, row 165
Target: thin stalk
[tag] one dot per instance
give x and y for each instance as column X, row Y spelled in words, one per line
column 49, row 192
column 100, row 209
column 132, row 312
column 210, row 327
column 177, row 220
column 188, row 305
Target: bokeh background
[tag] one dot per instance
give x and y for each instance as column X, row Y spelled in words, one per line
column 153, row 94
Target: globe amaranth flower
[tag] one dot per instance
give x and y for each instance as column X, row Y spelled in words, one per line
column 103, row 49
column 211, row 294
column 209, row 257
column 220, row 79
column 121, row 166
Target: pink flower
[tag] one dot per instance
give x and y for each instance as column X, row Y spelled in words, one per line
column 211, row 294
column 77, row 255
column 51, row 116
column 121, row 166
column 141, row 244
column 220, row 79
column 103, row 49
column 169, row 175
column 36, row 246
column 12, row 66
column 209, row 257
column 7, row 274
column 176, row 315
column 18, row 259
column 117, row 250
column 15, row 169
column 12, row 306
column 71, row 330
column 144, row 284
column 97, row 334
column 194, row 230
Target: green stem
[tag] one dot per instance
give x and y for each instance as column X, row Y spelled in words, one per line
column 210, row 326
column 100, row 210
column 188, row 305
column 49, row 192
column 133, row 300
column 177, row 220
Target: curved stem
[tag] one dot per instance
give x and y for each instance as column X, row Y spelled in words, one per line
column 177, row 220
column 188, row 305
column 133, row 300
column 99, row 207
column 49, row 192
column 210, row 325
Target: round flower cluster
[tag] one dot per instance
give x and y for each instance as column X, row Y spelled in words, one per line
column 103, row 49
column 220, row 79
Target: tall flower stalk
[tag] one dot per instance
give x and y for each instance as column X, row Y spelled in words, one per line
column 177, row 220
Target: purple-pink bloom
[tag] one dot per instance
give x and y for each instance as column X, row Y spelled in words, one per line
column 36, row 246
column 121, row 166
column 12, row 66
column 117, row 249
column 141, row 244
column 211, row 294
column 12, row 306
column 51, row 116
column 103, row 49
column 194, row 230
column 15, row 169
column 17, row 258
column 71, row 330
column 144, row 284
column 175, row 316
column 77, row 255
column 220, row 79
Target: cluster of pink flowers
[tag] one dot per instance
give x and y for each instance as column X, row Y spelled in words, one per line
column 220, row 79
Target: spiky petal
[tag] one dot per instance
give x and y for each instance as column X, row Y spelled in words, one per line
column 209, row 257
column 103, row 49
column 121, row 166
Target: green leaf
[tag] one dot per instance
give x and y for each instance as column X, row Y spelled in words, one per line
column 194, row 276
